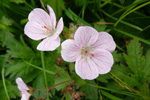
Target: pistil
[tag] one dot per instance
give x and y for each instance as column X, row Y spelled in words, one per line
column 86, row 52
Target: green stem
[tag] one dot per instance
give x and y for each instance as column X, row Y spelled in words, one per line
column 50, row 72
column 105, row 3
column 3, row 78
column 120, row 48
column 146, row 27
column 43, row 65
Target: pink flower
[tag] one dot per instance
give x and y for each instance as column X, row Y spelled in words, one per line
column 23, row 89
column 43, row 26
column 91, row 52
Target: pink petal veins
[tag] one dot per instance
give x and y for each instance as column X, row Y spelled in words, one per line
column 49, row 44
column 85, row 35
column 59, row 27
column 105, row 41
column 86, row 68
column 35, row 31
column 91, row 51
column 70, row 52
column 40, row 16
column 103, row 60
column 52, row 16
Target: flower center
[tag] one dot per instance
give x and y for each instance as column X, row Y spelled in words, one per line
column 48, row 29
column 87, row 52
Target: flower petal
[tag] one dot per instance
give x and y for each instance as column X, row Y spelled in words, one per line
column 103, row 60
column 85, row 35
column 70, row 51
column 21, row 85
column 59, row 28
column 25, row 96
column 52, row 16
column 105, row 41
column 49, row 44
column 86, row 68
column 35, row 31
column 40, row 16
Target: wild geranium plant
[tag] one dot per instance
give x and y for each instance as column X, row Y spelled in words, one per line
column 66, row 49
column 90, row 50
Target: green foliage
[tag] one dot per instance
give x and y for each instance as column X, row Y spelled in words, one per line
column 17, row 55
column 112, row 97
column 57, row 5
column 90, row 92
column 79, row 2
column 122, row 1
column 103, row 78
column 75, row 18
column 123, row 19
column 124, row 73
column 12, row 90
column 118, row 57
column 6, row 21
column 138, row 64
column 136, row 74
column 17, row 1
column 62, row 77
column 101, row 26
column 39, row 79
column 17, row 49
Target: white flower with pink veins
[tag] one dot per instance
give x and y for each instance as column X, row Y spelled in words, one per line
column 23, row 89
column 43, row 26
column 91, row 50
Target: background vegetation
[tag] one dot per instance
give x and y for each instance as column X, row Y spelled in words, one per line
column 128, row 21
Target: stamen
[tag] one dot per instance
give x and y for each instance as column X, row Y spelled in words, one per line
column 49, row 29
column 92, row 55
column 87, row 52
column 21, row 94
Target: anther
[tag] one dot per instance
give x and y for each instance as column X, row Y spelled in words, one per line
column 92, row 55
column 49, row 29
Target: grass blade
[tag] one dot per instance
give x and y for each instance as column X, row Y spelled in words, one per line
column 4, row 84
column 110, row 96
column 75, row 17
column 142, row 5
column 126, row 23
column 132, row 36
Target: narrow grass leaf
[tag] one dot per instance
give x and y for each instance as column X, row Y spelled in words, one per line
column 110, row 96
column 132, row 36
column 140, row 6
